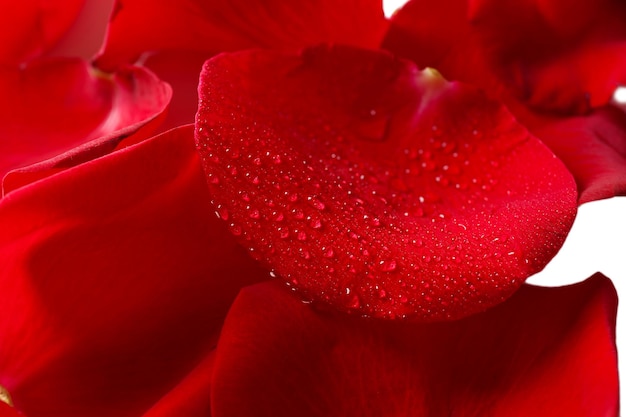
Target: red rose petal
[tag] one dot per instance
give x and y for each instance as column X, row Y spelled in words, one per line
column 114, row 281
column 181, row 70
column 375, row 188
column 85, row 37
column 8, row 411
column 53, row 106
column 593, row 147
column 191, row 397
column 545, row 352
column 564, row 56
column 31, row 27
column 215, row 26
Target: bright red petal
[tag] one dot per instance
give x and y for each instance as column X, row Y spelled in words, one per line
column 114, row 281
column 8, row 411
column 564, row 56
column 31, row 27
column 53, row 106
column 215, row 26
column 376, row 188
column 545, row 352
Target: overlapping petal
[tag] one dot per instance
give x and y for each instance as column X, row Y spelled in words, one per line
column 114, row 281
column 545, row 352
column 191, row 31
column 216, row 26
column 549, row 60
column 375, row 188
column 30, row 28
column 563, row 56
column 52, row 106
column 592, row 146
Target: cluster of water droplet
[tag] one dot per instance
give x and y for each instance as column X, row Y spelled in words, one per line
column 422, row 228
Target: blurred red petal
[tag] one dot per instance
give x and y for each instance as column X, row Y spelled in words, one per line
column 545, row 352
column 181, row 70
column 8, row 411
column 56, row 105
column 29, row 28
column 114, row 281
column 564, row 56
column 215, row 26
column 86, row 35
column 191, row 397
column 375, row 188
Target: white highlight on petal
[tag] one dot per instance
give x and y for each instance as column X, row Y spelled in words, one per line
column 390, row 6
column 620, row 95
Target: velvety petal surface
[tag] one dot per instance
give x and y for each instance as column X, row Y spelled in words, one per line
column 8, row 411
column 31, row 27
column 562, row 56
column 592, row 146
column 52, row 106
column 114, row 281
column 374, row 187
column 215, row 26
column 544, row 352
column 181, row 70
column 191, row 397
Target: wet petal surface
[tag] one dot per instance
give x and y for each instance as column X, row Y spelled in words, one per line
column 375, row 188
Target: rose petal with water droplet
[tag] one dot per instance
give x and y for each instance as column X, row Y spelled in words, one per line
column 313, row 107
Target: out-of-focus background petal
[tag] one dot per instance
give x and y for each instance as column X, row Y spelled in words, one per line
column 115, row 279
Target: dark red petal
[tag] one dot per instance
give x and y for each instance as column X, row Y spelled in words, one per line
column 53, row 106
column 376, row 188
column 593, row 147
column 545, row 352
column 215, row 26
column 31, row 27
column 191, row 397
column 114, row 281
column 181, row 70
column 564, row 56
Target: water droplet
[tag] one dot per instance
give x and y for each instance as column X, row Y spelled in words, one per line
column 316, row 203
column 354, row 302
column 388, row 265
column 221, row 213
column 235, row 230
column 315, row 223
